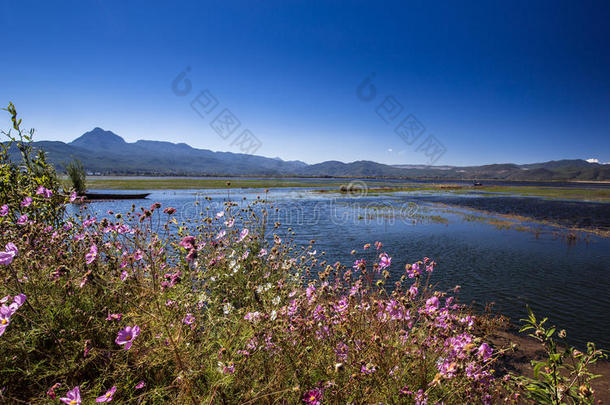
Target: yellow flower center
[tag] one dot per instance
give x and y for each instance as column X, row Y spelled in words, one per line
column 4, row 321
column 128, row 337
column 73, row 402
column 108, row 394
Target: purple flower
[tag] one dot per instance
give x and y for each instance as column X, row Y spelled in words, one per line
column 73, row 196
column 26, row 202
column 10, row 251
column 127, row 335
column 313, row 397
column 138, row 255
column 22, row 219
column 432, row 304
column 368, row 369
column 107, row 397
column 188, row 319
column 341, row 306
column 72, row 397
column 140, row 385
column 92, row 255
column 484, row 351
column 4, row 210
column 45, row 192
column 18, row 301
column 384, row 261
column 5, row 317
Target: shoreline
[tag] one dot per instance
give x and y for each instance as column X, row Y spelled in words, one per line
column 528, row 349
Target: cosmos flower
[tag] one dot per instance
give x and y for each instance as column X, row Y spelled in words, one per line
column 26, row 202
column 45, row 192
column 384, row 261
column 127, row 335
column 188, row 319
column 140, row 385
column 10, row 251
column 22, row 219
column 73, row 196
column 5, row 317
column 187, row 242
column 484, row 351
column 242, row 235
column 313, row 397
column 107, row 397
column 91, row 255
column 169, row 210
column 4, row 210
column 72, row 397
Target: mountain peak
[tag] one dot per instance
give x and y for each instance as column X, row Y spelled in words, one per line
column 98, row 138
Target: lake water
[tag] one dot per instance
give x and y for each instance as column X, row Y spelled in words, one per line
column 568, row 282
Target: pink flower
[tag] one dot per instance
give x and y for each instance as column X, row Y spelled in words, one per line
column 140, row 385
column 73, row 196
column 378, row 245
column 384, row 261
column 220, row 214
column 72, row 397
column 26, row 202
column 22, row 219
column 242, row 235
column 138, row 255
column 114, row 317
column 262, row 253
column 127, row 335
column 4, row 210
column 107, row 397
column 169, row 210
column 187, row 242
column 313, row 397
column 359, row 264
column 221, row 234
column 92, row 255
column 51, row 391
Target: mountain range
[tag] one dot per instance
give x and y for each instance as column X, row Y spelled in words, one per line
column 105, row 152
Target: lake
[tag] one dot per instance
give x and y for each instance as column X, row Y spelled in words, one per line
column 564, row 278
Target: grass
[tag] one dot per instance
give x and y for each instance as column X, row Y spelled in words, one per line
column 164, row 183
column 560, row 193
column 190, row 183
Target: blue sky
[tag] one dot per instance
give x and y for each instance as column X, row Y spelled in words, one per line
column 493, row 82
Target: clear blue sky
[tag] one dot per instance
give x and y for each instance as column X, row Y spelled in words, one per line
column 494, row 81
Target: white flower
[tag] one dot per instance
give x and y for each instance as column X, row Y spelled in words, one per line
column 273, row 315
column 226, row 308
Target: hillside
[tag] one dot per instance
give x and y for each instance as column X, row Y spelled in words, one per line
column 105, row 152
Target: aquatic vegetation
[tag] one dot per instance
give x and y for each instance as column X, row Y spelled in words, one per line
column 223, row 310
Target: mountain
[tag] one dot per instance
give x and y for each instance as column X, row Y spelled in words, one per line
column 105, row 152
